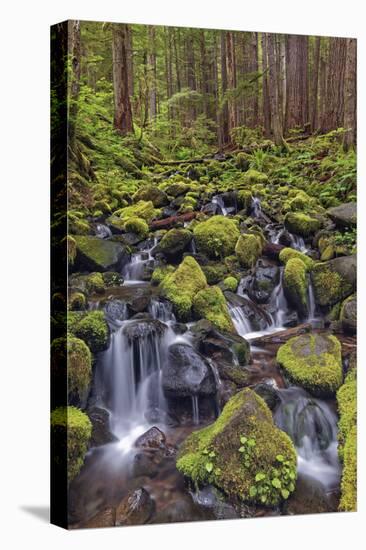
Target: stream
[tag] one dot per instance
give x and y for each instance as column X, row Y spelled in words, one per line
column 131, row 386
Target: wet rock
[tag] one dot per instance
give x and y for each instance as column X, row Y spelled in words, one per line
column 173, row 244
column 158, row 416
column 105, row 518
column 344, row 215
column 211, row 209
column 348, row 316
column 143, row 328
column 214, row 500
column 334, row 280
column 265, row 279
column 112, row 278
column 309, row 498
column 291, row 320
column 139, row 303
column 181, row 510
column 186, row 373
column 146, row 464
column 100, row 431
column 257, row 316
column 116, row 310
column 94, row 254
column 152, row 439
column 135, row 509
column 268, row 393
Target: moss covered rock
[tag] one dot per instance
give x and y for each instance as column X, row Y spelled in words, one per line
column 348, row 501
column 90, row 327
column 248, row 249
column 142, row 209
column 347, row 408
column 252, row 177
column 216, row 237
column 210, row 304
column 182, row 286
column 287, row 254
column 160, row 273
column 301, row 224
column 245, row 200
column 151, row 193
column 77, row 301
column 295, row 284
column 231, row 283
column 243, row 453
column 214, row 272
column 138, row 226
column 94, row 254
column 79, row 368
column 314, row 362
column 174, row 243
column 70, row 431
column 334, row 280
column 348, row 314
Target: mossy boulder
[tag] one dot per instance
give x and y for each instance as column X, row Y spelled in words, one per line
column 287, row 254
column 177, row 189
column 334, row 280
column 243, row 453
column 142, row 209
column 210, row 304
column 79, row 371
column 348, row 315
column 214, row 272
column 314, row 362
column 90, row 327
column 248, row 249
column 160, row 272
column 244, row 200
column 138, row 226
column 216, row 237
column 348, row 501
column 295, row 284
column 182, row 286
column 252, row 177
column 77, row 301
column 70, row 431
column 301, row 201
column 301, row 224
column 173, row 244
column 231, row 283
column 344, row 215
column 151, row 193
column 94, row 254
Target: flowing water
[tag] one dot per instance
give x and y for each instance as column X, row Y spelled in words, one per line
column 134, row 271
column 103, row 231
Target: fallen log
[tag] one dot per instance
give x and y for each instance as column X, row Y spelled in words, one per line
column 272, row 250
column 282, row 335
column 172, row 220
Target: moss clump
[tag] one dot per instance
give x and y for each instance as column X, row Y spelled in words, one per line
column 182, row 286
column 314, row 362
column 77, row 301
column 301, row 224
column 347, row 408
column 79, row 367
column 71, row 431
column 210, row 304
column 248, row 249
column 243, row 453
column 231, row 283
column 151, row 193
column 90, row 327
column 216, row 237
column 295, row 284
column 160, row 273
column 254, row 177
column 214, row 273
column 301, row 201
column 142, row 209
column 98, row 254
column 71, row 250
column 329, row 286
column 245, row 200
column 94, row 283
column 138, row 226
column 177, row 189
column 174, row 243
column 348, row 502
column 287, row 254
column 241, row 161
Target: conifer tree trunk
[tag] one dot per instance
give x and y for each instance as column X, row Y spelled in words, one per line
column 314, row 86
column 224, row 112
column 334, row 104
column 74, row 37
column 265, row 87
column 297, row 98
column 273, row 92
column 152, row 71
column 350, row 95
column 122, row 104
column 231, row 78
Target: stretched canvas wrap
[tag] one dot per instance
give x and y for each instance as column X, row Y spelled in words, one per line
column 203, row 274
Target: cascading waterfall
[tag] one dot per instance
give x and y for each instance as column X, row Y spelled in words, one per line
column 256, row 208
column 133, row 272
column 162, row 311
column 312, row 425
column 278, row 304
column 218, row 200
column 103, row 231
column 311, row 301
column 241, row 322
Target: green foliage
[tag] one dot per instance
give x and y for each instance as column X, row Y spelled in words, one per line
column 79, row 366
column 347, row 407
column 160, row 273
column 210, row 304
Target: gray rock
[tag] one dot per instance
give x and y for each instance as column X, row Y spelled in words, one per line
column 94, row 254
column 135, row 509
column 344, row 215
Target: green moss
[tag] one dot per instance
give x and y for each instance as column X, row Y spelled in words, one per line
column 329, row 286
column 142, row 209
column 77, row 301
column 245, row 200
column 138, row 226
column 97, row 253
column 287, row 254
column 231, row 283
column 160, row 273
column 254, row 177
column 301, row 201
column 71, row 431
column 94, row 283
column 177, row 189
column 216, row 237
column 348, row 501
column 248, row 249
column 314, row 362
column 181, row 286
column 71, row 250
column 153, row 194
column 241, row 161
column 174, row 243
column 295, row 284
column 79, row 366
column 347, row 408
column 210, row 304
column 301, row 224
column 90, row 327
column 214, row 273
column 328, row 253
column 243, row 453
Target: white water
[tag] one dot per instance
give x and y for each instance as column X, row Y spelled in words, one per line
column 217, row 199
column 102, row 231
column 134, row 271
column 311, row 301
column 312, row 426
column 256, row 208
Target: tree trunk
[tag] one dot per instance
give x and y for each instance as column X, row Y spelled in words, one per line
column 273, row 92
column 74, row 33
column 314, row 87
column 122, row 105
column 231, row 79
column 151, row 58
column 224, row 112
column 334, row 105
column 297, row 98
column 265, row 87
column 350, row 95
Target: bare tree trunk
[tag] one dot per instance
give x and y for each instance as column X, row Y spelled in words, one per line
column 297, row 99
column 265, row 87
column 224, row 113
column 334, row 112
column 231, row 78
column 74, row 37
column 314, row 87
column 273, row 92
column 151, row 58
column 122, row 105
column 349, row 140
column 176, row 58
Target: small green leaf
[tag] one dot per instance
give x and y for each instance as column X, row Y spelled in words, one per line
column 292, row 475
column 247, row 464
column 212, row 454
column 260, row 476
column 241, row 449
column 252, row 491
column 205, row 452
column 209, row 467
column 280, row 458
column 251, row 442
column 276, row 483
column 285, row 493
column 243, row 439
